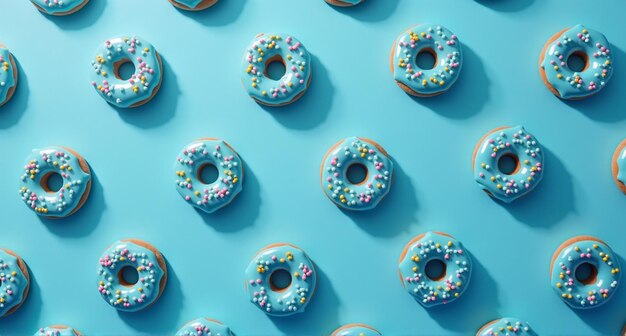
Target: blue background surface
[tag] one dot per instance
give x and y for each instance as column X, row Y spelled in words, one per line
column 132, row 152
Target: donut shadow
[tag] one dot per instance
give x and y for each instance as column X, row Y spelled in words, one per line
column 162, row 316
column 313, row 107
column 85, row 17
column 395, row 213
column 243, row 209
column 465, row 98
column 85, row 219
column 550, row 201
column 161, row 108
column 222, row 13
column 506, row 5
column 322, row 311
column 27, row 316
column 602, row 105
column 370, row 10
column 13, row 110
column 468, row 317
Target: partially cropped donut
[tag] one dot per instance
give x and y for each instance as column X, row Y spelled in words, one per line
column 59, row 7
column 344, row 3
column 204, row 327
column 14, row 282
column 57, row 330
column 8, row 75
column 618, row 166
column 356, row 329
column 193, row 5
column 506, row 326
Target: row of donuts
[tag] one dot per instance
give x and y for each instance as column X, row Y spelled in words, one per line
column 434, row 268
column 567, row 83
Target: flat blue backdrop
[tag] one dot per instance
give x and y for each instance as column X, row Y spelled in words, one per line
column 132, row 153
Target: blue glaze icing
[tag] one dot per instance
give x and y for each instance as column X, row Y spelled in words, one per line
column 287, row 301
column 189, row 3
column 7, row 74
column 507, row 326
column 621, row 164
column 53, row 160
column 213, row 196
column 129, row 297
column 367, row 194
column 458, row 270
column 512, row 141
column 356, row 330
column 571, row 84
column 435, row 39
column 13, row 282
column 141, row 86
column 585, row 295
column 264, row 50
column 351, row 2
column 56, row 331
column 204, row 327
column 57, row 6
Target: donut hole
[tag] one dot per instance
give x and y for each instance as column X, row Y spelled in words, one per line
column 128, row 276
column 275, row 68
column 356, row 173
column 280, row 279
column 586, row 273
column 51, row 182
column 426, row 59
column 123, row 69
column 508, row 164
column 578, row 61
column 207, row 173
column 435, row 270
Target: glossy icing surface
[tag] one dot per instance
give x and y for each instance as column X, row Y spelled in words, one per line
column 282, row 302
column 578, row 84
column 213, row 196
column 621, row 164
column 58, row 6
column 13, row 282
column 508, row 326
column 367, row 194
column 266, row 48
column 53, row 160
column 204, row 327
column 511, row 141
column 189, row 3
column 435, row 39
column 54, row 331
column 7, row 80
column 141, row 85
column 458, row 270
column 129, row 297
column 356, row 330
column 585, row 295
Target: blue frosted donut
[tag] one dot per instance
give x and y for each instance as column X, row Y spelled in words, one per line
column 204, row 327
column 14, row 282
column 436, row 40
column 59, row 7
column 151, row 272
column 603, row 274
column 48, row 161
column 364, row 195
column 592, row 47
column 506, row 326
column 344, row 3
column 141, row 86
column 57, row 330
column 208, row 197
column 618, row 166
column 269, row 296
column 193, row 5
column 8, row 75
column 356, row 329
column 519, row 145
column 269, row 48
column 439, row 248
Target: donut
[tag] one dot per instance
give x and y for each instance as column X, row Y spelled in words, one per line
column 441, row 248
column 42, row 164
column 361, row 195
column 344, row 3
column 151, row 275
column 589, row 45
column 193, row 5
column 204, row 327
column 59, row 7
column 355, row 329
column 14, row 282
column 208, row 196
column 8, row 75
column 506, row 326
column 57, row 330
column 142, row 85
column 270, row 48
column 272, row 297
column 436, row 40
column 618, row 166
column 515, row 143
column 595, row 288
